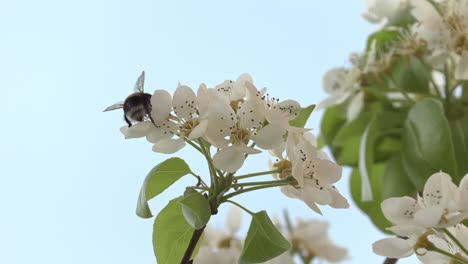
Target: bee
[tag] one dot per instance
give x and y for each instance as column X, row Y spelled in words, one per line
column 137, row 106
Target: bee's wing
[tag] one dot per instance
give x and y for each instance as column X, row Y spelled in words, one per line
column 115, row 106
column 139, row 85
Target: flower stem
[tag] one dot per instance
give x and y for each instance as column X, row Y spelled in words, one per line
column 454, row 239
column 450, row 255
column 240, row 206
column 194, row 146
column 260, row 183
column 214, row 180
column 253, row 189
column 255, row 174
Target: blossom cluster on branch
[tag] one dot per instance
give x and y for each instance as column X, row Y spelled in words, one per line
column 226, row 124
column 431, row 225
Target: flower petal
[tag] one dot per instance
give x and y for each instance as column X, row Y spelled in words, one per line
column 137, row 130
column 399, row 210
column 185, row 102
column 338, row 201
column 169, row 146
column 355, row 106
column 161, row 105
column 234, row 219
column 199, row 130
column 393, row 247
column 269, row 137
column 327, row 171
column 228, row 159
column 318, row 195
column 406, row 230
column 461, row 72
column 251, row 114
column 440, row 190
column 429, row 217
column 463, row 200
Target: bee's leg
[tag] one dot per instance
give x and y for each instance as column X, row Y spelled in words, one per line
column 148, row 112
column 128, row 121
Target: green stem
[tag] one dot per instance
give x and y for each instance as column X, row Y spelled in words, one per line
column 214, row 180
column 436, row 7
column 261, row 183
column 450, row 255
column 252, row 189
column 436, row 87
column 454, row 239
column 195, row 146
column 256, row 174
column 251, row 146
column 200, row 179
column 240, row 206
column 405, row 94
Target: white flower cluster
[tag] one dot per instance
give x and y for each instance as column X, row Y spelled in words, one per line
column 309, row 239
column 444, row 28
column 312, row 170
column 438, row 38
column 237, row 119
column 234, row 117
column 434, row 217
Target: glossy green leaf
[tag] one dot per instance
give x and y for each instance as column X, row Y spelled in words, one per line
column 263, row 241
column 460, row 143
column 410, row 75
column 427, row 143
column 195, row 208
column 172, row 234
column 371, row 208
column 159, row 179
column 395, row 181
column 301, row 119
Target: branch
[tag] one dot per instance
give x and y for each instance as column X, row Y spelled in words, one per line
column 191, row 247
column 390, row 261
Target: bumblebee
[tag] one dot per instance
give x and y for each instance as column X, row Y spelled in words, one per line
column 137, row 106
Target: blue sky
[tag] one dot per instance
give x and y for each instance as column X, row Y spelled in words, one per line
column 68, row 179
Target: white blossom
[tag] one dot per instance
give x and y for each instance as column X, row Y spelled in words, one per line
column 380, row 9
column 311, row 238
column 313, row 171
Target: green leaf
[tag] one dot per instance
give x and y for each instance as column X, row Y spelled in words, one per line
column 332, row 121
column 395, row 180
column 460, row 143
column 263, row 241
column 172, row 234
column 427, row 143
column 382, row 38
column 371, row 208
column 411, row 76
column 301, row 119
column 352, row 129
column 349, row 152
column 195, row 208
column 159, row 179
column 386, row 147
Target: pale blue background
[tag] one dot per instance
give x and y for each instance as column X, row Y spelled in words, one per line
column 68, row 179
